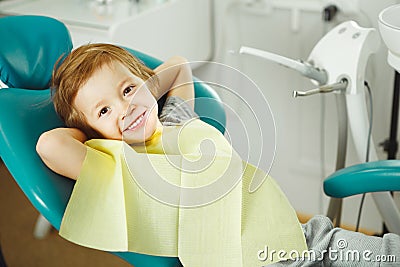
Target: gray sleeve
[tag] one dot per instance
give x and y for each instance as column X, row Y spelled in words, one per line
column 176, row 111
column 338, row 247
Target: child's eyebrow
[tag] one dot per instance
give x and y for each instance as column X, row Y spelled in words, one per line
column 124, row 81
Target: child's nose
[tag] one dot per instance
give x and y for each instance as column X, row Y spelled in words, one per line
column 126, row 110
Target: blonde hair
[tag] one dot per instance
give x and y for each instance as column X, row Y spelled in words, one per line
column 76, row 69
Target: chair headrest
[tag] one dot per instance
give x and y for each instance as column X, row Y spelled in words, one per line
column 29, row 48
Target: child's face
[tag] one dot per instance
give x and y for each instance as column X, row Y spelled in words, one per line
column 118, row 104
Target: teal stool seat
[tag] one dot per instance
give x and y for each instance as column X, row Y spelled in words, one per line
column 27, row 113
column 377, row 176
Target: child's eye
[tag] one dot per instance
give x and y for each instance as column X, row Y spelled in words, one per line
column 103, row 111
column 128, row 90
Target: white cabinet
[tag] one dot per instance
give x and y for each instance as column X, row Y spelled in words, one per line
column 161, row 28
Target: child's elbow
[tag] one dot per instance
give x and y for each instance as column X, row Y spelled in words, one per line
column 46, row 144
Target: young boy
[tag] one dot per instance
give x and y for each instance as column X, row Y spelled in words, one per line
column 101, row 91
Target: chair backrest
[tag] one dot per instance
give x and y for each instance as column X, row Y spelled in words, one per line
column 29, row 48
column 27, row 64
column 32, row 46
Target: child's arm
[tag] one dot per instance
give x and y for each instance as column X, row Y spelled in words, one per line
column 63, row 151
column 175, row 77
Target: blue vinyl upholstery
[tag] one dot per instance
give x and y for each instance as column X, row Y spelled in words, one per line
column 35, row 43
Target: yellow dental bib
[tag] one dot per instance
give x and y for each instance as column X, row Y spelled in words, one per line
column 185, row 193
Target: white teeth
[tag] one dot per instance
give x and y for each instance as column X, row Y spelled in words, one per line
column 139, row 120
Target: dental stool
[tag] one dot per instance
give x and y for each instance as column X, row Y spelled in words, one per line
column 33, row 45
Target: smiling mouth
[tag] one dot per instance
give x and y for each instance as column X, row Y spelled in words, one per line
column 136, row 123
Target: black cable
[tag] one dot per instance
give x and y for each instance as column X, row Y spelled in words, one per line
column 368, row 148
column 359, row 212
column 370, row 120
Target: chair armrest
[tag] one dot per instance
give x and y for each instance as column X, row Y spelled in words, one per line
column 364, row 178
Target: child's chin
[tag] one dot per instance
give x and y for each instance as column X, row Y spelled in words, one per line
column 139, row 137
column 138, row 140
column 133, row 141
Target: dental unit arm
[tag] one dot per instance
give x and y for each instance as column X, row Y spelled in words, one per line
column 345, row 75
column 338, row 72
column 304, row 68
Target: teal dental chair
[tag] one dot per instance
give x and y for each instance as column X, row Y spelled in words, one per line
column 30, row 46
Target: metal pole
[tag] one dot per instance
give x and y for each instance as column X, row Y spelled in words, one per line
column 335, row 204
column 393, row 145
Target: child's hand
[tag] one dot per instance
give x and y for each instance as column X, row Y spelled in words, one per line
column 63, row 151
column 175, row 78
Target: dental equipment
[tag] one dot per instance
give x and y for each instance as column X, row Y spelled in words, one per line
column 339, row 86
column 305, row 68
column 380, row 175
column 355, row 44
column 389, row 27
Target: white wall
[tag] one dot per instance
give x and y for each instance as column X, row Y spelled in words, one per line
column 299, row 151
